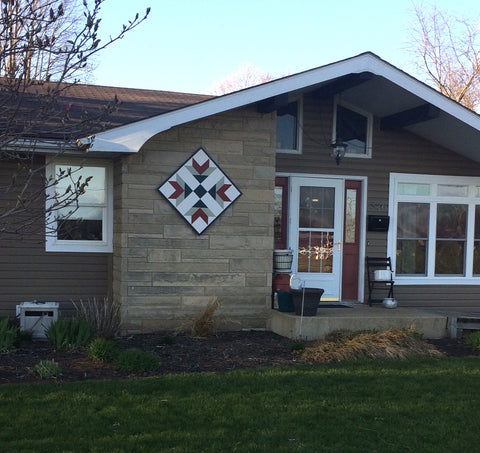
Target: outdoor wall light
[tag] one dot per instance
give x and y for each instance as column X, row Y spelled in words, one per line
column 339, row 148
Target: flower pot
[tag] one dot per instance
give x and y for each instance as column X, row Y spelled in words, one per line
column 311, row 299
column 285, row 302
column 388, row 302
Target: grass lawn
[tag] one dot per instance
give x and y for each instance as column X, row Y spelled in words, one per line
column 391, row 406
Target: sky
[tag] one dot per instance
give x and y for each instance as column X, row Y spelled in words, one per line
column 191, row 45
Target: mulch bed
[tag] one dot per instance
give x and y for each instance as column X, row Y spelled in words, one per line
column 225, row 351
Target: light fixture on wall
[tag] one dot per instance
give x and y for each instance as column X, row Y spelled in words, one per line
column 339, row 148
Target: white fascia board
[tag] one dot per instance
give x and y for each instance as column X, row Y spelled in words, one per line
column 131, row 137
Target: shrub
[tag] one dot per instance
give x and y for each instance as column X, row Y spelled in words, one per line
column 297, row 346
column 136, row 361
column 103, row 350
column 104, row 317
column 46, row 369
column 70, row 333
column 203, row 325
column 9, row 335
column 473, row 341
column 167, row 340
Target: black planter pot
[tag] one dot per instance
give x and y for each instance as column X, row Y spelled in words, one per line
column 310, row 300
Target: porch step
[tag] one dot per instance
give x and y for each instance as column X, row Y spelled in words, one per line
column 357, row 317
column 457, row 324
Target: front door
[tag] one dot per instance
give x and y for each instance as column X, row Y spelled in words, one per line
column 316, row 233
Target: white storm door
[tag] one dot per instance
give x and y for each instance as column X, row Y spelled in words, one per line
column 316, row 213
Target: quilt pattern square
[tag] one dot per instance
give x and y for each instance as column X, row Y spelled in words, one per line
column 200, row 191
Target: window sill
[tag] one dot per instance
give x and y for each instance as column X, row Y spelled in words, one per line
column 78, row 247
column 289, row 151
column 453, row 280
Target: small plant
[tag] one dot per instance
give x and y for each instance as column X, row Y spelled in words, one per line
column 9, row 335
column 136, row 361
column 46, row 369
column 473, row 341
column 70, row 333
column 103, row 316
column 297, row 346
column 167, row 339
column 103, row 350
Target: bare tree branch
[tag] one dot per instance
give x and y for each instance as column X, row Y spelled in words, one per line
column 447, row 50
column 45, row 49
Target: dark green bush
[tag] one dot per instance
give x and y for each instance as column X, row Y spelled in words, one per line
column 135, row 361
column 69, row 333
column 103, row 350
column 473, row 341
column 9, row 335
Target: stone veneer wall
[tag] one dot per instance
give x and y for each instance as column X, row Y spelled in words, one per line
column 164, row 273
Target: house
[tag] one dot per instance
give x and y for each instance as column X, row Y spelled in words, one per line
column 193, row 194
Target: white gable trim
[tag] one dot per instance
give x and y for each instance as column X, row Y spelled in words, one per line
column 130, row 138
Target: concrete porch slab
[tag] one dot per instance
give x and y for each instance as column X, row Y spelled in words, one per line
column 357, row 317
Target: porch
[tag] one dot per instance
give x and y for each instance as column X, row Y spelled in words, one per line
column 356, row 316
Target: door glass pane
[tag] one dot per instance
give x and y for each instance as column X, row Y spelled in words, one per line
column 350, row 215
column 277, row 214
column 317, row 207
column 315, row 251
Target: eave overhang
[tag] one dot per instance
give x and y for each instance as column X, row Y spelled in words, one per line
column 365, row 80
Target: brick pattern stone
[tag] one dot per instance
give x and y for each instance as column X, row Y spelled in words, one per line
column 164, row 273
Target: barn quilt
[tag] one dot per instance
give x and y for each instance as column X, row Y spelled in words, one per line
column 200, row 191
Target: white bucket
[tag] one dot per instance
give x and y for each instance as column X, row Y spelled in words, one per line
column 382, row 275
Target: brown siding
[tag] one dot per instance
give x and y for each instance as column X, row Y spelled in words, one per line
column 29, row 273
column 397, row 152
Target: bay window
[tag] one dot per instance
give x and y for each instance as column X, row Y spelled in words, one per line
column 435, row 233
column 79, row 217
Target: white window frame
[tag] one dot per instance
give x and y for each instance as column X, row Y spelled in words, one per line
column 298, row 149
column 52, row 244
column 368, row 145
column 433, row 199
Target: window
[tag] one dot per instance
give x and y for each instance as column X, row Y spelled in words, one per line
column 84, row 224
column 353, row 126
column 289, row 120
column 436, row 233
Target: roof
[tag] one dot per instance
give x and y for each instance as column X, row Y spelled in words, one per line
column 79, row 109
column 364, row 80
column 134, row 104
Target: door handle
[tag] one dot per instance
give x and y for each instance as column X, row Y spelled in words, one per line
column 339, row 246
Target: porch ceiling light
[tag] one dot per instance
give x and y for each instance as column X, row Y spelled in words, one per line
column 339, row 148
